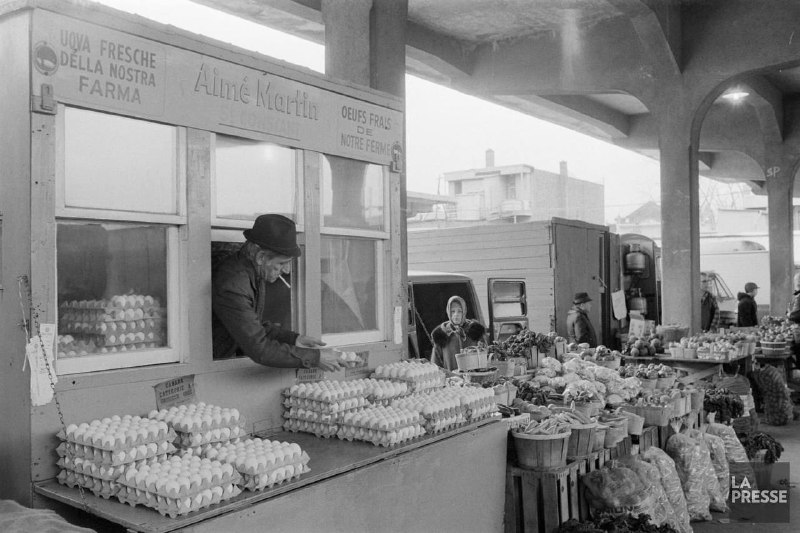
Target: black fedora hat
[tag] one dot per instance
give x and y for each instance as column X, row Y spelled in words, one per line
column 275, row 232
column 581, row 298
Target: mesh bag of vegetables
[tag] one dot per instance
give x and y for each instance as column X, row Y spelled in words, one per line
column 651, row 478
column 685, row 451
column 671, row 484
column 777, row 397
column 712, row 447
column 616, row 489
column 738, row 464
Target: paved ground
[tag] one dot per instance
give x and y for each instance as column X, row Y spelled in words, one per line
column 789, row 437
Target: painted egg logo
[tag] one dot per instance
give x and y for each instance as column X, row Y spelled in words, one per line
column 45, row 59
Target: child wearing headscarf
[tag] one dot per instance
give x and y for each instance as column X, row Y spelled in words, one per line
column 452, row 336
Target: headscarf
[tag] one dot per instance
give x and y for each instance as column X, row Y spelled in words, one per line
column 451, row 328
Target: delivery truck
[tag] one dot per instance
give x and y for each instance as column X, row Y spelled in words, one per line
column 554, row 259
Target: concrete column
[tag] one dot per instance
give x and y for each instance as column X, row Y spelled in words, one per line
column 780, row 170
column 347, row 40
column 388, row 46
column 680, row 228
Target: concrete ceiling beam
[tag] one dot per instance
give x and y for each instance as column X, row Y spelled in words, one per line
column 658, row 26
column 617, row 122
column 767, row 101
column 444, row 58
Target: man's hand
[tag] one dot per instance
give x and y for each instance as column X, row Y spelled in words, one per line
column 329, row 360
column 308, row 342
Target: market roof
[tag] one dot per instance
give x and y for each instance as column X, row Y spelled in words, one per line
column 598, row 66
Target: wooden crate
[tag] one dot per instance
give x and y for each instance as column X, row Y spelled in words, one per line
column 648, row 438
column 538, row 501
column 622, row 448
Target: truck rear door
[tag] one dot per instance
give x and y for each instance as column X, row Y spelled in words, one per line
column 508, row 307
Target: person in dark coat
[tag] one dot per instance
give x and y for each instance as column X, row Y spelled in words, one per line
column 709, row 308
column 747, row 310
column 239, row 303
column 794, row 307
column 455, row 334
column 579, row 327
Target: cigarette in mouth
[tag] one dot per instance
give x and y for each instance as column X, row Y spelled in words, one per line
column 284, row 281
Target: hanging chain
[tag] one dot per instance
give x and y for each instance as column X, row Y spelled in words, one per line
column 22, row 282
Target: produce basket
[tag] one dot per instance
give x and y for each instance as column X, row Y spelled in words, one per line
column 635, row 422
column 541, row 451
column 581, row 440
column 655, row 415
column 480, row 375
column 690, row 353
column 613, row 364
column 467, row 360
column 773, row 348
column 588, row 408
column 599, row 437
column 665, row 382
column 648, row 383
column 698, row 395
column 504, row 368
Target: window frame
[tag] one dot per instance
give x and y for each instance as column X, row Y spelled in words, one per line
column 177, row 327
column 232, row 223
column 383, row 245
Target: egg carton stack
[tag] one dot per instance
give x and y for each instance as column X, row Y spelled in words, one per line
column 122, row 323
column 263, row 463
column 441, row 409
column 381, row 425
column 178, row 485
column 93, row 454
column 419, row 376
column 318, row 407
column 201, row 427
column 477, row 402
column 385, row 391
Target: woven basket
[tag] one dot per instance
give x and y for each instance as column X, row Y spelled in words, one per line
column 773, row 348
column 613, row 364
column 665, row 382
column 648, row 384
column 599, row 437
column 541, row 451
column 581, row 440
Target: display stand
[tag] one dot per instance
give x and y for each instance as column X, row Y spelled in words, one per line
column 352, row 486
column 696, row 368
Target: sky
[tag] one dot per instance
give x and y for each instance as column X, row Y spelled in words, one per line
column 446, row 130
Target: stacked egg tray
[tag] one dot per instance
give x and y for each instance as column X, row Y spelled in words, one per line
column 477, row 402
column 119, row 324
column 178, row 485
column 385, row 391
column 92, row 454
column 263, row 463
column 317, row 407
column 441, row 409
column 419, row 376
column 100, row 480
column 381, row 425
column 200, row 426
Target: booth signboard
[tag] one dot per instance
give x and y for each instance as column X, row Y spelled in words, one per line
column 175, row 392
column 84, row 64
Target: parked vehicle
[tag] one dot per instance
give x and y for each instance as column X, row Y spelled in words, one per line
column 553, row 258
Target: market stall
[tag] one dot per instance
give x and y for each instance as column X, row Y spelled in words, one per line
column 136, row 156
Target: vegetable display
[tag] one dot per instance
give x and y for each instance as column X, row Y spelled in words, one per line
column 616, row 523
column 762, row 441
column 725, row 404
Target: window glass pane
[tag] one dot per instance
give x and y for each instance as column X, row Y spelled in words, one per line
column 118, row 163
column 349, row 290
column 253, row 178
column 112, row 288
column 352, row 194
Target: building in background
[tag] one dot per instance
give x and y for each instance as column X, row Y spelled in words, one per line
column 510, row 193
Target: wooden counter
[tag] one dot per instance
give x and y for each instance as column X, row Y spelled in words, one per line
column 452, row 481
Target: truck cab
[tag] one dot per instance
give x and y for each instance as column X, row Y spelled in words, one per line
column 429, row 291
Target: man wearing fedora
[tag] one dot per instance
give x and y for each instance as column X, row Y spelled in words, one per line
column 579, row 327
column 238, row 301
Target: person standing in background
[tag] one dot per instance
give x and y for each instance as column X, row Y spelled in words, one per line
column 794, row 308
column 747, row 309
column 579, row 327
column 709, row 308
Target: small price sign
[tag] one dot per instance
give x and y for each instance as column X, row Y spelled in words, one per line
column 174, row 392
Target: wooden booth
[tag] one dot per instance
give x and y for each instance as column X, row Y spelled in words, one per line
column 134, row 155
